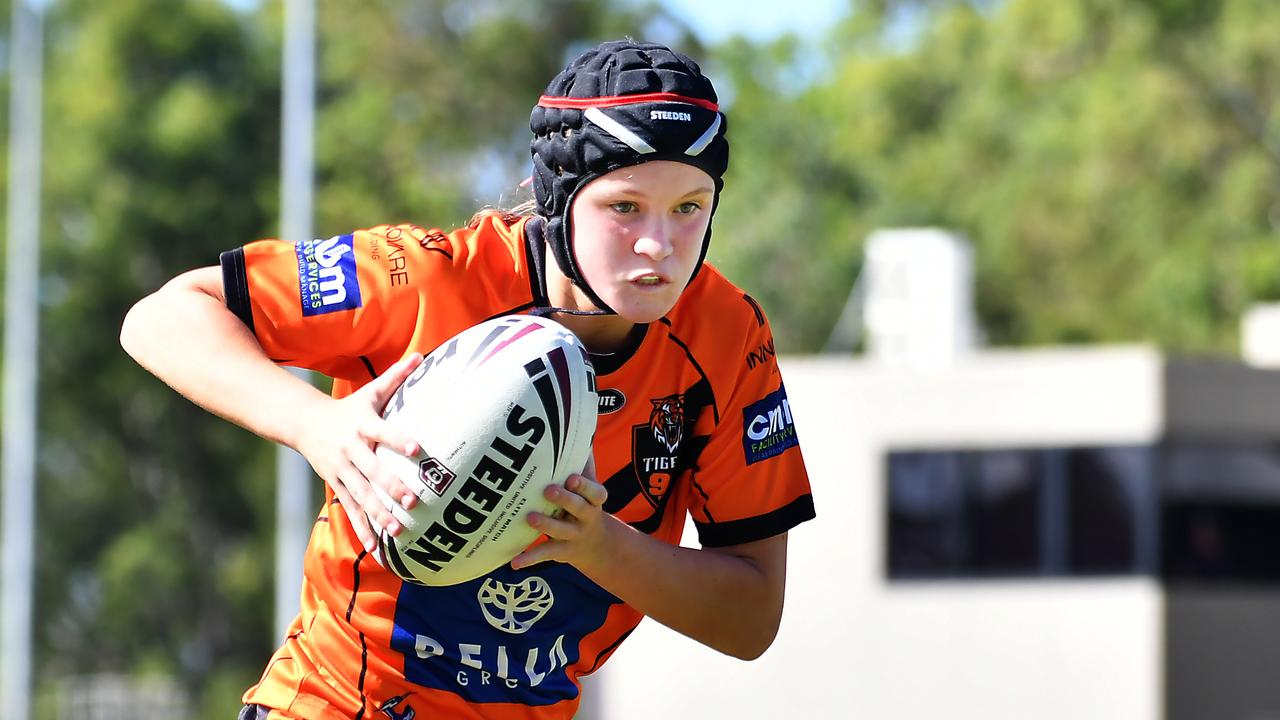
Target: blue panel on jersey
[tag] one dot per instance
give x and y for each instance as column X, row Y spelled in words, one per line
column 327, row 279
column 505, row 637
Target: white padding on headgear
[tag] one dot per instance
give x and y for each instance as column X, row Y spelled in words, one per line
column 701, row 143
column 616, row 129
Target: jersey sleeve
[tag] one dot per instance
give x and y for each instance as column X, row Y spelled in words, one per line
column 750, row 481
column 346, row 306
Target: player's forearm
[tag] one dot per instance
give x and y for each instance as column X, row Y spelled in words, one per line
column 728, row 602
column 193, row 343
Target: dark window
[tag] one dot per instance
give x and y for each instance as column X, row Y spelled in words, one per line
column 1004, row 489
column 927, row 531
column 1221, row 515
column 1110, row 510
column 963, row 513
column 1191, row 512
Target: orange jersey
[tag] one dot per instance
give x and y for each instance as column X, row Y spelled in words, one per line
column 693, row 419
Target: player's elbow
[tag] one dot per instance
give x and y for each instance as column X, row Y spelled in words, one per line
column 755, row 635
column 132, row 329
column 150, row 323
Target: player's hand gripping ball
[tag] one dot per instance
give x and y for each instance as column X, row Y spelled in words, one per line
column 500, row 411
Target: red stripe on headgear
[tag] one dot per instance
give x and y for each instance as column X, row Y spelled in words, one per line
column 571, row 103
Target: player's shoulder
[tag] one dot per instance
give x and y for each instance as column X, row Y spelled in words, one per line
column 488, row 235
column 712, row 304
column 719, row 320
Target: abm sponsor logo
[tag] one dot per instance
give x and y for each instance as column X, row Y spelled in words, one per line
column 767, row 428
column 327, row 280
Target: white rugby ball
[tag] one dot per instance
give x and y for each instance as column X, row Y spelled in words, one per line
column 501, row 411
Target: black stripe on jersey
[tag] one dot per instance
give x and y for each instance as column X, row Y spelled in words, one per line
column 624, row 485
column 622, row 488
column 650, row 524
column 605, row 652
column 737, row 532
column 694, row 361
column 368, row 366
column 355, row 583
column 755, row 307
column 364, row 667
column 235, row 285
column 442, row 251
column 693, row 479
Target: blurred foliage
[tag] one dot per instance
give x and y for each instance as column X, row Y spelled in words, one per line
column 1116, row 164
column 160, row 141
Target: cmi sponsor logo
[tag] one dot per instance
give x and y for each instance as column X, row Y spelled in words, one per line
column 767, row 427
column 327, row 279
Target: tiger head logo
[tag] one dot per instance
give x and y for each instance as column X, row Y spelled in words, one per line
column 666, row 420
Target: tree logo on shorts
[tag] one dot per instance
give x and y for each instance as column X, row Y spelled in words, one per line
column 514, row 608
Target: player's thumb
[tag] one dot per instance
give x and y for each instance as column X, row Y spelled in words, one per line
column 390, row 380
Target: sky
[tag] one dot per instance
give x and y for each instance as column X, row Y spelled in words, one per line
column 715, row 20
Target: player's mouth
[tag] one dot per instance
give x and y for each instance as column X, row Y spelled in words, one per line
column 647, row 280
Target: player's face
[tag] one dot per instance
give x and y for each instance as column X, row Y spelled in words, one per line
column 637, row 234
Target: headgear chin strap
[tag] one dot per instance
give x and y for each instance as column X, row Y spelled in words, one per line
column 616, row 105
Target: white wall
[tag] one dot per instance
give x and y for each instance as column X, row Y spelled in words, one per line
column 854, row 646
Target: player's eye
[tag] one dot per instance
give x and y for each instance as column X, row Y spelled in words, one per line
column 688, row 208
column 623, row 207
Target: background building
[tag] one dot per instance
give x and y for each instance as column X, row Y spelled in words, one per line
column 1051, row 534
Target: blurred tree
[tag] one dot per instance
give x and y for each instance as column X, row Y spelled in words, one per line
column 425, row 106
column 1116, row 164
column 160, row 144
column 161, row 150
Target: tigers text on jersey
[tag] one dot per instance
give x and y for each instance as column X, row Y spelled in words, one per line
column 693, row 419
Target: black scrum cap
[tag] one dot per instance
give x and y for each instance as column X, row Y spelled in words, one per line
column 620, row 104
